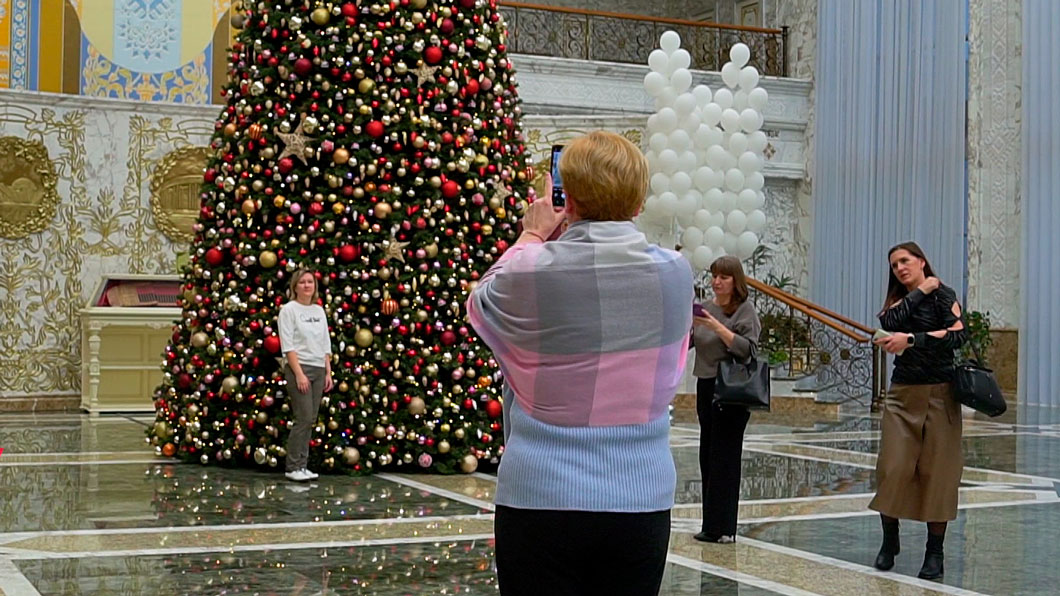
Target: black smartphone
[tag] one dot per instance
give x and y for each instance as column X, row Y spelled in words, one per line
column 559, row 198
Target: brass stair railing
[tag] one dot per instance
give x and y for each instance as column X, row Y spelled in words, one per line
column 616, row 37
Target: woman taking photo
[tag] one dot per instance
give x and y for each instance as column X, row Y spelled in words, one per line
column 727, row 328
column 306, row 345
column 920, row 461
column 591, row 332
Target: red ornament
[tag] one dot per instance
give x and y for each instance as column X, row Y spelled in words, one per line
column 286, row 165
column 448, row 338
column 348, row 252
column 349, row 9
column 303, row 66
column 472, row 87
column 494, row 409
column 214, row 257
column 467, row 3
column 450, row 189
column 375, row 129
column 272, row 344
column 433, row 55
column 184, row 381
column 447, row 26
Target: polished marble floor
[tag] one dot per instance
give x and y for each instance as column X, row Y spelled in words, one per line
column 85, row 508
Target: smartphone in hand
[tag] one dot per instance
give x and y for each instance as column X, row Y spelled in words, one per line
column 559, row 198
column 698, row 310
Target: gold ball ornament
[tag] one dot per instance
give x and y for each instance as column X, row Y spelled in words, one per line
column 351, row 456
column 417, row 406
column 229, row 384
column 230, row 129
column 379, row 432
column 320, row 16
column 249, row 207
column 459, row 433
column 162, row 430
column 199, row 339
column 366, row 86
column 363, row 338
column 340, row 156
column 268, row 259
column 382, row 210
column 443, row 447
column 262, row 418
column 468, row 464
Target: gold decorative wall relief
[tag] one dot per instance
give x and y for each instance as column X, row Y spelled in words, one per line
column 175, row 187
column 28, row 195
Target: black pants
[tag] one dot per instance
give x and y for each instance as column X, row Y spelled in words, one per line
column 720, row 447
column 577, row 553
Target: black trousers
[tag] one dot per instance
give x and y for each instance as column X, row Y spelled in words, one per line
column 580, row 553
column 720, row 447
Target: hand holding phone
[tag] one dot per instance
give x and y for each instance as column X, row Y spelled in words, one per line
column 698, row 310
column 559, row 198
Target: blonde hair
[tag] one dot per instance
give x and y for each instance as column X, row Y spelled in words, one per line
column 605, row 175
column 292, row 286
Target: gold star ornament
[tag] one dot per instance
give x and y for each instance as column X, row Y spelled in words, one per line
column 295, row 142
column 423, row 73
column 392, row 249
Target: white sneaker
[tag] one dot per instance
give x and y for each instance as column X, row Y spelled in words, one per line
column 297, row 476
column 309, row 475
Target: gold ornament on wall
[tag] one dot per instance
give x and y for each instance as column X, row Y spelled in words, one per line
column 28, row 195
column 175, row 187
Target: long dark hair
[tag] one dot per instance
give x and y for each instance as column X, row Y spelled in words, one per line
column 730, row 266
column 895, row 289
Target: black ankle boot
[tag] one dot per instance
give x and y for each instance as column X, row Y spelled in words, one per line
column 890, row 547
column 932, row 568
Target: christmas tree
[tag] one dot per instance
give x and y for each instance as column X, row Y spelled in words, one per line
column 378, row 144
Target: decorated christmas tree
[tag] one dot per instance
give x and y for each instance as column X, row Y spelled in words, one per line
column 378, row 144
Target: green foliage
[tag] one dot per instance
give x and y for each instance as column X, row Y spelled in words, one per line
column 978, row 330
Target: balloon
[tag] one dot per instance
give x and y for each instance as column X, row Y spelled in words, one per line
column 651, row 207
column 734, row 180
column 703, row 178
column 716, row 157
column 712, row 200
column 666, row 98
column 702, row 219
column 702, row 94
column 757, row 98
column 702, row 257
column 717, row 220
column 701, row 138
column 749, row 163
column 667, row 120
column 730, row 73
column 670, row 41
column 761, row 202
column 748, row 77
column 745, row 201
column 692, row 236
column 688, row 204
column 678, row 140
column 730, row 120
column 653, row 161
column 729, row 243
column 750, row 120
column 723, row 97
column 660, row 183
column 756, row 221
column 738, row 143
column 689, row 123
column 654, row 83
column 658, row 141
column 729, row 202
column 680, row 183
column 684, row 104
column 686, row 162
column 659, row 61
column 755, row 181
column 739, row 54
column 713, row 236
column 681, row 80
column 739, row 100
column 711, row 114
column 757, row 141
column 716, row 136
column 668, row 204
column 653, row 124
column 668, row 161
column 746, row 244
column 680, row 59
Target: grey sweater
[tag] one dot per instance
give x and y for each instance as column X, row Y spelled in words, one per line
column 710, row 350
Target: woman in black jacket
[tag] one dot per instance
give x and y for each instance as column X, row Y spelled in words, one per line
column 920, row 461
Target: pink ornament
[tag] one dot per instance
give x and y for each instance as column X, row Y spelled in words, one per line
column 425, row 460
column 296, row 208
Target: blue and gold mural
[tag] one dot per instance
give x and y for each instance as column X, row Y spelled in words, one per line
column 148, row 50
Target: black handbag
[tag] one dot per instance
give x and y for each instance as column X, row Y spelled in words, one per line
column 744, row 384
column 975, row 386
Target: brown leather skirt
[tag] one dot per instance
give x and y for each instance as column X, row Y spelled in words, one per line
column 920, row 461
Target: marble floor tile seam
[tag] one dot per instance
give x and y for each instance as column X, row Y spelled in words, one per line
column 737, row 576
column 847, row 457
column 452, row 495
column 13, row 582
column 152, row 460
column 10, row 537
column 19, row 555
column 930, row 586
column 854, row 496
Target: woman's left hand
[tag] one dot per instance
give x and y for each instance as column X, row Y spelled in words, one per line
column 328, row 383
column 894, row 343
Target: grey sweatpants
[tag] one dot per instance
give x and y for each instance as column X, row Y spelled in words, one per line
column 305, row 407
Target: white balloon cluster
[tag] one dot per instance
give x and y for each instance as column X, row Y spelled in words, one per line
column 705, row 155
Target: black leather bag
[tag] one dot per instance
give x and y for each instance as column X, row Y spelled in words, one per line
column 975, row 386
column 744, row 384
